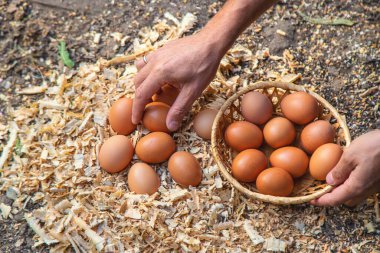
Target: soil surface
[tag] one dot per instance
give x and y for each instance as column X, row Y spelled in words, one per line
column 342, row 62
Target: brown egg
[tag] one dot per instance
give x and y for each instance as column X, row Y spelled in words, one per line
column 185, row 169
column 292, row 159
column 256, row 107
column 142, row 179
column 203, row 123
column 116, row 153
column 248, row 164
column 279, row 132
column 242, row 135
column 120, row 116
column 167, row 94
column 275, row 181
column 300, row 107
column 155, row 147
column 316, row 134
column 324, row 160
column 154, row 118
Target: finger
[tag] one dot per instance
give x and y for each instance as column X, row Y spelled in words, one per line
column 355, row 201
column 360, row 198
column 140, row 63
column 341, row 171
column 142, row 75
column 181, row 106
column 337, row 196
column 143, row 95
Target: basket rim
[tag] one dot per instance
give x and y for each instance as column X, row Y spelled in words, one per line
column 233, row 181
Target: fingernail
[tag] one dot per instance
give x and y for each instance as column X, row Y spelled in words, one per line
column 135, row 121
column 330, row 179
column 173, row 125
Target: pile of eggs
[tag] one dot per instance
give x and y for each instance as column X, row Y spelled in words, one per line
column 156, row 147
column 292, row 156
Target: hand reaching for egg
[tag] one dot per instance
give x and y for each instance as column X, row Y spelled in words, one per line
column 189, row 64
column 357, row 175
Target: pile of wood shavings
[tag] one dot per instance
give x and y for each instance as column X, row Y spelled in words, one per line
column 51, row 159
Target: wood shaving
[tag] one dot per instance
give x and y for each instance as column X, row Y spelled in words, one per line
column 252, row 233
column 370, row 91
column 281, row 32
column 8, row 148
column 5, row 210
column 32, row 222
column 85, row 209
column 97, row 240
column 32, row 90
column 51, row 105
column 276, row 245
column 291, row 78
column 377, row 208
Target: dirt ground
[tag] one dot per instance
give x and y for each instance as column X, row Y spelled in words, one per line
column 341, row 62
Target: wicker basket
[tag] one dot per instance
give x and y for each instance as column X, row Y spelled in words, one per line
column 305, row 188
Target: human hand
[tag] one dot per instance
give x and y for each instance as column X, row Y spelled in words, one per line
column 357, row 174
column 189, row 64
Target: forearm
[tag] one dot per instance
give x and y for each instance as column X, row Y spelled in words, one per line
column 236, row 15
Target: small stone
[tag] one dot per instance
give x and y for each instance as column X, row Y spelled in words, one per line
column 97, row 38
column 279, row 42
column 300, row 226
column 370, row 227
column 12, row 193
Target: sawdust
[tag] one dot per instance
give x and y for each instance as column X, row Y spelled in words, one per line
column 85, row 209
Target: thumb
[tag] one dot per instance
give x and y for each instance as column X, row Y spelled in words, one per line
column 341, row 171
column 181, row 107
column 337, row 196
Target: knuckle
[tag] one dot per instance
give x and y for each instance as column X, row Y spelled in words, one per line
column 349, row 190
column 160, row 69
column 139, row 95
column 135, row 80
column 333, row 203
column 138, row 62
column 152, row 56
column 180, row 111
column 348, row 156
column 353, row 188
column 329, row 200
column 356, row 188
column 339, row 175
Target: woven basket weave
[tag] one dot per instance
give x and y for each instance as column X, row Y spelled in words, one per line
column 305, row 188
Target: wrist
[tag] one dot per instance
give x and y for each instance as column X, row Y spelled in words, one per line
column 214, row 42
column 223, row 29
